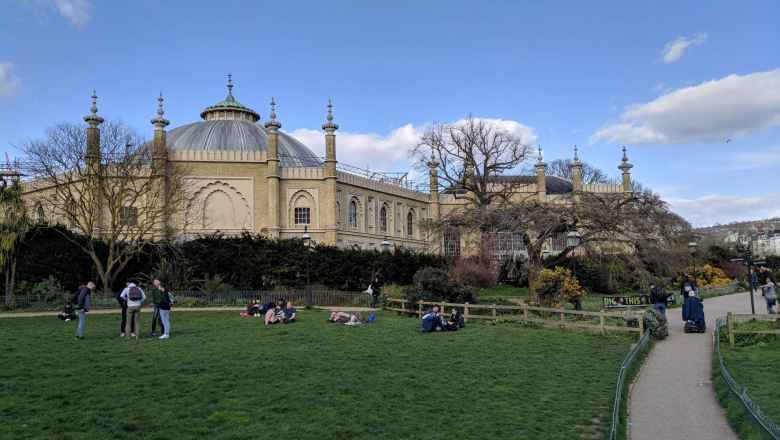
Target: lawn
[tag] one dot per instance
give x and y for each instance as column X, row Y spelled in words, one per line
column 226, row 377
column 753, row 362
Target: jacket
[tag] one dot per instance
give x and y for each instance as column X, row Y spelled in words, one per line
column 84, row 299
column 157, row 296
column 125, row 295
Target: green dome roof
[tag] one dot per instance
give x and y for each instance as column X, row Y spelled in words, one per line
column 230, row 103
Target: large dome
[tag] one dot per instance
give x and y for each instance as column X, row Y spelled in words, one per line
column 231, row 126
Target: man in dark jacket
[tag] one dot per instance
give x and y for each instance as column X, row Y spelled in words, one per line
column 658, row 298
column 83, row 304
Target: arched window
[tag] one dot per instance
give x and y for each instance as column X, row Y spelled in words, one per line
column 410, row 223
column 353, row 214
column 383, row 219
column 40, row 216
column 338, row 213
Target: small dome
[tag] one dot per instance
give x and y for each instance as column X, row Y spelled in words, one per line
column 239, row 135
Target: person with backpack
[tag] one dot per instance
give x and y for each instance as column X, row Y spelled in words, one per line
column 157, row 296
column 83, row 304
column 166, row 301
column 135, row 299
column 658, row 298
column 123, row 304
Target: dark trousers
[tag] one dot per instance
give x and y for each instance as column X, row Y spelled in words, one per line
column 157, row 319
column 124, row 318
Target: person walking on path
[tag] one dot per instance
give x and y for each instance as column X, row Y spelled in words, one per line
column 166, row 300
column 83, row 304
column 157, row 297
column 123, row 304
column 658, row 298
column 769, row 292
column 135, row 299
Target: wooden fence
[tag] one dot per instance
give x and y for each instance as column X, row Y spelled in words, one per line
column 625, row 321
column 733, row 318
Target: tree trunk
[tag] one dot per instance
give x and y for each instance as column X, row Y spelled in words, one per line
column 533, row 276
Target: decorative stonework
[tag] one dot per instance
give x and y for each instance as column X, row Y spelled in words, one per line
column 224, row 204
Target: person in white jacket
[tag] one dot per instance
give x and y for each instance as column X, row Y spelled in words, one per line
column 135, row 297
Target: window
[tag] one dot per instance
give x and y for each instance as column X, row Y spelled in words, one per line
column 410, row 223
column 383, row 219
column 40, row 217
column 128, row 216
column 353, row 214
column 302, row 216
column 452, row 242
column 338, row 213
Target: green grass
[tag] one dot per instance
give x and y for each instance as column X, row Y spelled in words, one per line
column 505, row 293
column 753, row 362
column 225, row 377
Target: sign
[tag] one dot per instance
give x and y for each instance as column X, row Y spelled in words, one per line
column 643, row 300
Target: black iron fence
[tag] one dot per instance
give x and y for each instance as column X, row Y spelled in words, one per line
column 198, row 298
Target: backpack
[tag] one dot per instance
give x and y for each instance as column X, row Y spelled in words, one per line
column 134, row 294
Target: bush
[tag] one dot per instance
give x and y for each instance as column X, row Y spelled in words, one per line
column 657, row 324
column 709, row 276
column 49, row 290
column 556, row 287
column 433, row 284
column 475, row 272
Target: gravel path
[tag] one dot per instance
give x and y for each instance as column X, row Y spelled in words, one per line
column 673, row 397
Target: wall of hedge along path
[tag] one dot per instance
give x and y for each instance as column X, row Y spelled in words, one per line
column 244, row 262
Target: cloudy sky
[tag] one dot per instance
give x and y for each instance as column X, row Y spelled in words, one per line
column 694, row 92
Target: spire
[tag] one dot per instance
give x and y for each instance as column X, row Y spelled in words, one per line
column 625, row 165
column 272, row 122
column 540, row 159
column 576, row 155
column 230, row 88
column 93, row 119
column 330, row 126
column 159, row 121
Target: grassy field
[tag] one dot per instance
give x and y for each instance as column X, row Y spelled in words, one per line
column 225, row 377
column 753, row 363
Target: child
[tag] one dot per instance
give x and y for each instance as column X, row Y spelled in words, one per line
column 67, row 313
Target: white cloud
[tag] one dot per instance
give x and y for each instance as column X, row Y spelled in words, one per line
column 711, row 209
column 391, row 152
column 708, row 112
column 77, row 12
column 675, row 49
column 9, row 82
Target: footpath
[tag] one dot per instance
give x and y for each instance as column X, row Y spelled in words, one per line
column 673, row 397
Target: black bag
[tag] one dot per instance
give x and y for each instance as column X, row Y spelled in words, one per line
column 134, row 294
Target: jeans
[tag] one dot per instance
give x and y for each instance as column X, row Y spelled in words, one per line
column 770, row 304
column 135, row 316
column 165, row 316
column 123, row 324
column 82, row 323
column 661, row 308
column 156, row 317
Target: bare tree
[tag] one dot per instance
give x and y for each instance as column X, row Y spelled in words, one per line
column 122, row 200
column 471, row 155
column 590, row 174
column 591, row 223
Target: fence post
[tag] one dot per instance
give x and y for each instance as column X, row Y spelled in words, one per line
column 442, row 308
column 493, row 309
column 465, row 311
column 419, row 310
column 641, row 325
column 563, row 315
column 601, row 322
column 525, row 311
column 730, row 320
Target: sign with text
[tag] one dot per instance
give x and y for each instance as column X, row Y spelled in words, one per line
column 643, row 300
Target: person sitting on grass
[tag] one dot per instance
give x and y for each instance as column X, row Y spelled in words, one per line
column 345, row 318
column 290, row 314
column 455, row 321
column 67, row 313
column 432, row 321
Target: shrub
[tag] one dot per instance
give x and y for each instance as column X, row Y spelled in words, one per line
column 556, row 287
column 657, row 324
column 709, row 276
column 48, row 290
column 432, row 284
column 475, row 272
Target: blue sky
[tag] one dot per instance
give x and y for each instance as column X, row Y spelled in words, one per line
column 671, row 80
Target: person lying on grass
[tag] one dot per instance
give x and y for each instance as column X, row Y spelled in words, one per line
column 345, row 318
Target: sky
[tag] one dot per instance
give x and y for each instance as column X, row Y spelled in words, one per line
column 691, row 88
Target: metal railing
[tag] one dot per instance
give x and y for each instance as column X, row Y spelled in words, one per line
column 770, row 428
column 621, row 382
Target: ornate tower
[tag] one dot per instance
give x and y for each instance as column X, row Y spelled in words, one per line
column 93, row 160
column 92, row 155
column 625, row 167
column 329, row 202
column 272, row 129
column 433, row 169
column 576, row 172
column 541, row 180
column 160, row 165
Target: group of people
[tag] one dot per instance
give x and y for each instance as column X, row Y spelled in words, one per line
column 131, row 299
column 351, row 318
column 279, row 312
column 434, row 320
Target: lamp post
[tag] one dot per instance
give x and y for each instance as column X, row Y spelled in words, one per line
column 692, row 246
column 307, row 244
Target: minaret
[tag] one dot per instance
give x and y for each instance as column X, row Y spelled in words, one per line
column 541, row 180
column 433, row 169
column 625, row 167
column 272, row 130
column 92, row 157
column 576, row 172
column 160, row 165
column 330, row 177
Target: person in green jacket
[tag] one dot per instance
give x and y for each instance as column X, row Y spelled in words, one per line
column 157, row 297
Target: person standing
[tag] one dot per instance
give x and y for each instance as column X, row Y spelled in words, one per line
column 769, row 292
column 83, row 304
column 658, row 298
column 135, row 299
column 166, row 301
column 123, row 304
column 157, row 297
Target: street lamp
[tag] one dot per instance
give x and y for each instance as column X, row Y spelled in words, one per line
column 307, row 244
column 692, row 246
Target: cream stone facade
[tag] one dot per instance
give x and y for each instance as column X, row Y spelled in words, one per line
column 245, row 175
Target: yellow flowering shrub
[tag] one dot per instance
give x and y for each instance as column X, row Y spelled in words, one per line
column 557, row 287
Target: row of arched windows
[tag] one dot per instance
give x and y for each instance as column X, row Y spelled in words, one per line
column 352, row 218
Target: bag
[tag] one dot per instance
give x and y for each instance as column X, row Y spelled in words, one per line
column 134, row 294
column 370, row 290
column 74, row 300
